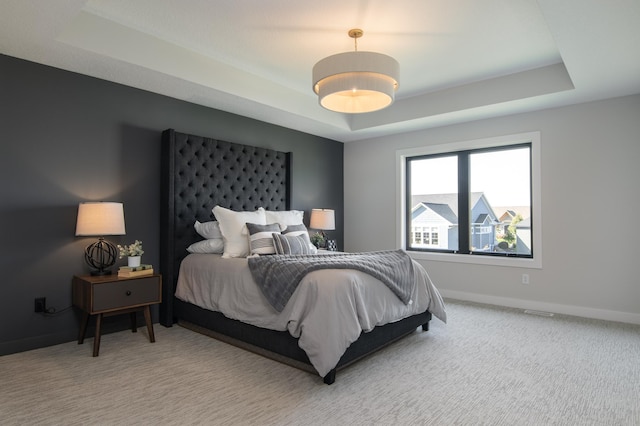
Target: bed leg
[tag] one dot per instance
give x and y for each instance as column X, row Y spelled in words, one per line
column 425, row 326
column 330, row 377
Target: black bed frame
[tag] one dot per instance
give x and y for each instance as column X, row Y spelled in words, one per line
column 198, row 173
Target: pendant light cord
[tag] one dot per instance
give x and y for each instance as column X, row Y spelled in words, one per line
column 355, row 34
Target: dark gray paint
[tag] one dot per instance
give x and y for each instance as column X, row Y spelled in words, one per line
column 69, row 138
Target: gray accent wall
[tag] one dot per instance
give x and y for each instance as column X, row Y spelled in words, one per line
column 68, row 138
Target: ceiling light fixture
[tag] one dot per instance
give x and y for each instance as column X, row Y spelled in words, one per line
column 356, row 82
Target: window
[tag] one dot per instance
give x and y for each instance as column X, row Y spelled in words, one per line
column 423, row 236
column 472, row 199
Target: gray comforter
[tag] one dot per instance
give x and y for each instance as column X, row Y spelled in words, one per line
column 278, row 276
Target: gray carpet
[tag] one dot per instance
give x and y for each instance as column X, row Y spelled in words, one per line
column 487, row 366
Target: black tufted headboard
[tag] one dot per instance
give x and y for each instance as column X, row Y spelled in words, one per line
column 199, row 173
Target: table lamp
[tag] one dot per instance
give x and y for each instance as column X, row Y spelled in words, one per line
column 324, row 220
column 97, row 219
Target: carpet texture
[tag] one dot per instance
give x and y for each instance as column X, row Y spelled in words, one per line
column 486, row 366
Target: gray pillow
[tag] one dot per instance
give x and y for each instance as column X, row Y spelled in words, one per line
column 292, row 244
column 295, row 230
column 260, row 241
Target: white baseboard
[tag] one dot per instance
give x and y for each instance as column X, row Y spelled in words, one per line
column 578, row 311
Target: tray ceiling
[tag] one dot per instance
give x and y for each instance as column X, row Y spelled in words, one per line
column 460, row 60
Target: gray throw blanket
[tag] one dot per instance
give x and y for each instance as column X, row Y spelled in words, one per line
column 279, row 275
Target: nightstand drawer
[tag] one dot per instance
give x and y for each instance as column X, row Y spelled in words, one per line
column 125, row 293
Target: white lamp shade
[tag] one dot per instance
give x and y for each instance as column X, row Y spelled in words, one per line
column 356, row 82
column 324, row 219
column 100, row 218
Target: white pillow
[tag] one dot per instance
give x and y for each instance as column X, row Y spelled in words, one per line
column 284, row 217
column 213, row 245
column 208, row 230
column 234, row 229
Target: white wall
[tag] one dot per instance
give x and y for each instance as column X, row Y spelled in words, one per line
column 590, row 155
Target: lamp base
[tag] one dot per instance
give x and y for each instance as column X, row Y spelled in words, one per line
column 99, row 256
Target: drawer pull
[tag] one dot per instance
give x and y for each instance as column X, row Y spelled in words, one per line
column 128, row 293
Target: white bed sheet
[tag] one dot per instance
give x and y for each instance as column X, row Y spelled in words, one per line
column 327, row 312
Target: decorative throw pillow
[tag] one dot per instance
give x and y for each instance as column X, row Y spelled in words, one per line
column 208, row 230
column 284, row 217
column 297, row 230
column 292, row 244
column 234, row 230
column 260, row 241
column 212, row 245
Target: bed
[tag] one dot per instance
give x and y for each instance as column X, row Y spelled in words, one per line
column 198, row 173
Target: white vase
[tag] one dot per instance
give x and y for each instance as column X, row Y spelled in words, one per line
column 133, row 260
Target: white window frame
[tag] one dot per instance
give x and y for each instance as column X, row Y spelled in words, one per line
column 536, row 208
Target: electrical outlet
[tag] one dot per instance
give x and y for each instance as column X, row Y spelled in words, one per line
column 40, row 304
column 525, row 278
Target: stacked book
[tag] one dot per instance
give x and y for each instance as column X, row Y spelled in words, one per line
column 135, row 271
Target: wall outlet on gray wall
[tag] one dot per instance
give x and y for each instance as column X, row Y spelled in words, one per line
column 40, row 304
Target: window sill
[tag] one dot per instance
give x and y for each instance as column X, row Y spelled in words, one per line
column 535, row 263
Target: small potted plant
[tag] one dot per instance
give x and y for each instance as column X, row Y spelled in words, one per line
column 317, row 240
column 133, row 252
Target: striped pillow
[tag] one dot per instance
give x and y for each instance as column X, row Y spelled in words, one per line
column 292, row 244
column 260, row 241
column 296, row 230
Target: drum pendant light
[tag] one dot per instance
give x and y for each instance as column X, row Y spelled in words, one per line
column 356, row 82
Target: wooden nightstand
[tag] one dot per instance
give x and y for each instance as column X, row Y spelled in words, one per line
column 111, row 295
